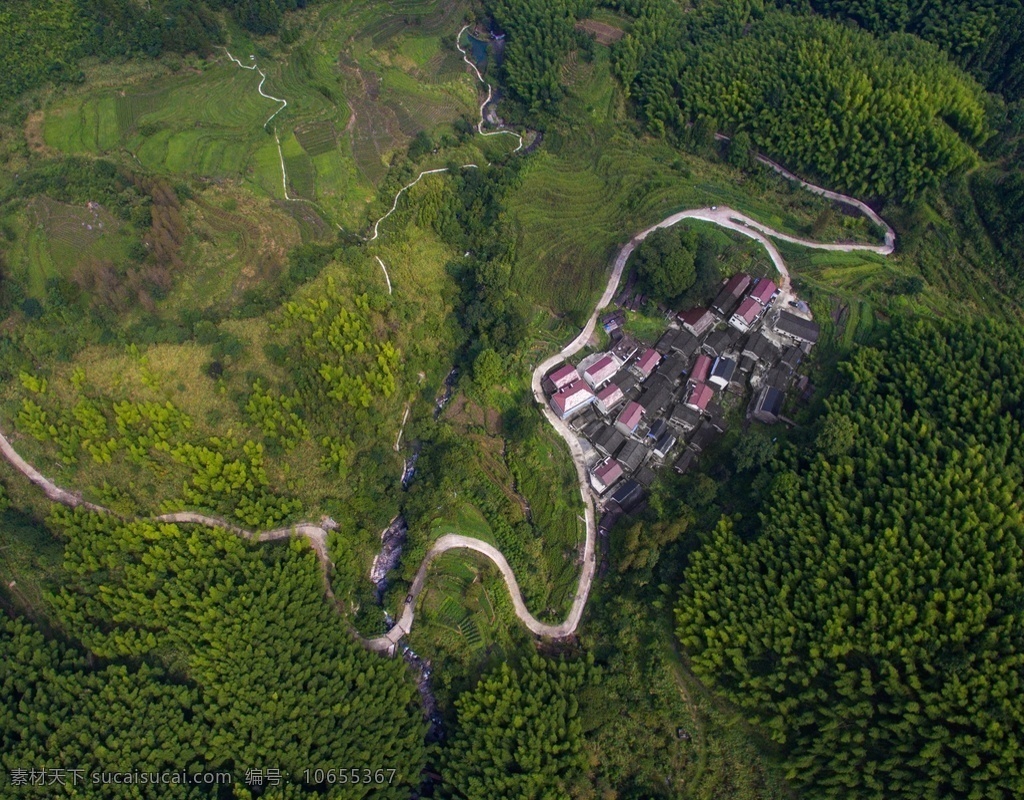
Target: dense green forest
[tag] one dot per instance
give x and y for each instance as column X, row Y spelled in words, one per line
column 844, row 594
column 986, row 38
column 880, row 117
column 223, row 655
column 519, row 734
column 43, row 40
column 873, row 626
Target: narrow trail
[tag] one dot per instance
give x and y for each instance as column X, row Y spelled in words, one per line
column 316, row 534
column 277, row 140
column 263, row 79
column 386, row 276
column 490, row 95
column 479, row 128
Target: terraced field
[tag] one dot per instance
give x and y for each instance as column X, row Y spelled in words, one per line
column 359, row 88
column 54, row 239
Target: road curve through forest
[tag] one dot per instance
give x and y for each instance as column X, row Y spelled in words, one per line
column 317, row 534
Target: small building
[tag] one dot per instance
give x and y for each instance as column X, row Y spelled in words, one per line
column 645, row 477
column 699, row 397
column 716, row 416
column 627, row 497
column 665, row 444
column 764, row 291
column 685, row 343
column 609, row 397
column 625, row 380
column 729, row 296
column 684, row 417
column 719, row 341
column 570, row 399
column 657, row 397
column 657, row 430
column 601, row 371
column 605, row 476
column 667, row 340
column 722, row 372
column 703, row 438
column 792, row 357
column 672, row 367
column 697, row 321
column 768, row 406
column 614, row 321
column 759, row 347
column 701, row 369
column 560, row 378
column 746, row 315
column 648, row 361
column 747, row 364
column 778, row 376
column 685, row 461
column 797, row 328
column 632, row 455
column 629, row 418
column 583, row 418
column 607, row 439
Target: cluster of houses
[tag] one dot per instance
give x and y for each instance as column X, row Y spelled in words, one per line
column 637, row 407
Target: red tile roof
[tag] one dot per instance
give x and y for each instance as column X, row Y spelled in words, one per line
column 701, row 367
column 648, row 361
column 748, row 310
column 601, row 370
column 630, row 415
column 737, row 283
column 700, row 396
column 610, row 394
column 572, row 396
column 763, row 291
column 609, row 472
column 693, row 316
column 563, row 376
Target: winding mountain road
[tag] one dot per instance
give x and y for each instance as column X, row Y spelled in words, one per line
column 317, row 534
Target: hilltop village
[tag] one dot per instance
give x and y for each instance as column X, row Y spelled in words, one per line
column 636, row 408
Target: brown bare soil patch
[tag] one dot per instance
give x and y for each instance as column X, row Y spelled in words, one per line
column 602, row 31
column 34, row 134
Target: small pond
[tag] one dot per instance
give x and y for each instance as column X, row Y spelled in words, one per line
column 478, row 48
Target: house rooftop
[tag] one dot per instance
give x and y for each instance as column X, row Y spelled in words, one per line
column 748, row 310
column 563, row 376
column 571, row 397
column 731, row 293
column 723, row 370
column 630, row 415
column 763, row 291
column 628, row 495
column 699, row 397
column 601, row 370
column 610, row 395
column 700, row 369
column 795, row 327
column 631, row 455
column 608, row 472
column 648, row 361
column 696, row 320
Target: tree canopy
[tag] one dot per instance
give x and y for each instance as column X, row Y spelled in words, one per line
column 665, row 262
column 874, row 627
column 519, row 734
column 274, row 679
column 877, row 117
column 986, row 37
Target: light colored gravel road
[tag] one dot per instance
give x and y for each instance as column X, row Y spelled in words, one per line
column 316, row 535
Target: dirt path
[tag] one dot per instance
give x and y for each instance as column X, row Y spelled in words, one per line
column 316, row 535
